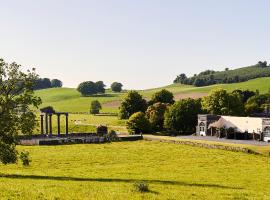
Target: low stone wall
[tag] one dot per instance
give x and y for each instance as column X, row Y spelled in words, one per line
column 76, row 138
column 205, row 145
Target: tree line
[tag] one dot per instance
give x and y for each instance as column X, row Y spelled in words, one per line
column 163, row 114
column 45, row 83
column 211, row 77
column 89, row 88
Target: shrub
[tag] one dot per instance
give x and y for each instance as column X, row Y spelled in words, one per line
column 95, row 107
column 138, row 123
column 141, row 187
column 112, row 136
column 48, row 109
column 24, row 156
column 102, row 130
column 131, row 104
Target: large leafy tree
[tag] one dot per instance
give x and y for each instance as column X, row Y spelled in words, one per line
column 56, row 83
column 221, row 102
column 131, row 104
column 138, row 123
column 181, row 117
column 16, row 99
column 155, row 115
column 162, row 96
column 100, row 86
column 87, row 88
column 116, row 87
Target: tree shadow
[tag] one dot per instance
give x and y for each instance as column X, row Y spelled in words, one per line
column 101, row 95
column 65, row 178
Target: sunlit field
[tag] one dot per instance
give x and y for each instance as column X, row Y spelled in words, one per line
column 109, row 171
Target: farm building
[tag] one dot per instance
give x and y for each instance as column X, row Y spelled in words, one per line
column 256, row 128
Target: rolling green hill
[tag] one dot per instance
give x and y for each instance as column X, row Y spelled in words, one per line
column 211, row 77
column 68, row 99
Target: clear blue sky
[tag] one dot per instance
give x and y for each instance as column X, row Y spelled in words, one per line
column 141, row 43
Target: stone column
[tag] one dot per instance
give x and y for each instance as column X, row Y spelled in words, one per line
column 41, row 124
column 66, row 123
column 46, row 124
column 50, row 119
column 58, row 124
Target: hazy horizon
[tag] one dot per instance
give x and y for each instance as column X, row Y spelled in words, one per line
column 142, row 44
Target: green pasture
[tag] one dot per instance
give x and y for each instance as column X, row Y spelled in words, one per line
column 69, row 100
column 108, row 171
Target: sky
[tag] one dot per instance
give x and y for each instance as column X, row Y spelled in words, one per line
column 140, row 43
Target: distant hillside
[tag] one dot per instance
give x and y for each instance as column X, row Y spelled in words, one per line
column 69, row 99
column 211, row 77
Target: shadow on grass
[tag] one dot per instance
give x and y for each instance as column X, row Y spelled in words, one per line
column 102, row 95
column 64, row 178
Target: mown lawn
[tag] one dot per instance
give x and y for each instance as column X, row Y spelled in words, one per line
column 108, row 171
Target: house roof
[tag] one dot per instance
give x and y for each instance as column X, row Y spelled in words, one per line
column 241, row 124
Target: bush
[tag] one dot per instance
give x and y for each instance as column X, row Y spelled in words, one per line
column 112, row 136
column 24, row 156
column 138, row 123
column 131, row 104
column 102, row 130
column 141, row 187
column 95, row 107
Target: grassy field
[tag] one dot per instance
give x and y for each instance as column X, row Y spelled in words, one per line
column 69, row 100
column 108, row 171
column 87, row 123
column 263, row 150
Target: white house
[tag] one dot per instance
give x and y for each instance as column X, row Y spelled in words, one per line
column 234, row 127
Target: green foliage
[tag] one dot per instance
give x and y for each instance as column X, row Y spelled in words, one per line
column 102, row 130
column 47, row 109
column 181, row 117
column 210, row 77
column 138, row 123
column 256, row 104
column 16, row 99
column 131, row 104
column 220, row 102
column 245, row 94
column 162, row 96
column 155, row 115
column 55, row 83
column 100, row 87
column 95, row 107
column 116, row 87
column 87, row 88
column 141, row 187
column 25, row 158
column 180, row 79
column 112, row 136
